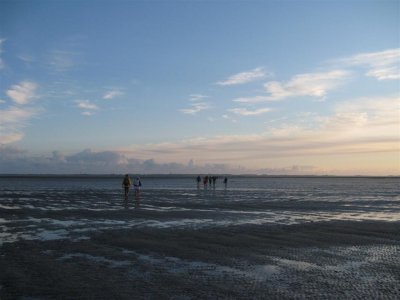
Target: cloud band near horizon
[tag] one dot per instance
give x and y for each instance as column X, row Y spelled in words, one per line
column 367, row 127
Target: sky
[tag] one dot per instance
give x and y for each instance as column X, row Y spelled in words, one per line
column 243, row 87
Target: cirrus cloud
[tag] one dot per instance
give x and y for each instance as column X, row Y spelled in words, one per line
column 366, row 127
column 86, row 104
column 382, row 65
column 197, row 97
column 22, row 93
column 87, row 107
column 16, row 117
column 243, row 77
column 252, row 100
column 196, row 104
column 363, row 131
column 2, row 65
column 308, row 84
column 195, row 108
column 112, row 94
column 246, row 112
column 62, row 60
column 12, row 121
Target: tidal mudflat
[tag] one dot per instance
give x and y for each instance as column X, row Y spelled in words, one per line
column 273, row 242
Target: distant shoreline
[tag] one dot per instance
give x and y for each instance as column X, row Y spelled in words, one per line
column 189, row 175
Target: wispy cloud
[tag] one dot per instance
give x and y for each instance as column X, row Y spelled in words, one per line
column 25, row 57
column 10, row 137
column 196, row 104
column 243, row 77
column 88, row 113
column 22, row 93
column 229, row 117
column 382, row 65
column 15, row 115
column 14, row 118
column 112, row 94
column 366, row 118
column 61, row 60
column 197, row 97
column 246, row 112
column 87, row 107
column 2, row 65
column 253, row 100
column 195, row 108
column 308, row 84
column 12, row 121
column 367, row 127
column 86, row 104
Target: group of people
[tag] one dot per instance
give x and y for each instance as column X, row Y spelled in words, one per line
column 210, row 180
column 127, row 183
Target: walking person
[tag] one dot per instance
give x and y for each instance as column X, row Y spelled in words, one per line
column 126, row 184
column 137, row 184
column 198, row 180
column 205, row 181
column 214, row 180
column 226, row 182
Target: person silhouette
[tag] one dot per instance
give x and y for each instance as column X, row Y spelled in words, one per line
column 198, row 180
column 126, row 184
column 137, row 184
column 214, row 180
column 205, row 181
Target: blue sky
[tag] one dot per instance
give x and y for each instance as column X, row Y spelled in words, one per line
column 276, row 87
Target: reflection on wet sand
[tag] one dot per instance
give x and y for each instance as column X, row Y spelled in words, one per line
column 200, row 243
column 204, row 208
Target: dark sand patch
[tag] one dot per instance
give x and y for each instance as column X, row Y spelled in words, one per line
column 325, row 260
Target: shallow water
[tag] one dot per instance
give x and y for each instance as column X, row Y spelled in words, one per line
column 72, row 207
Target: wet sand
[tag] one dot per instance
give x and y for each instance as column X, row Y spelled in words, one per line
column 328, row 260
column 178, row 244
